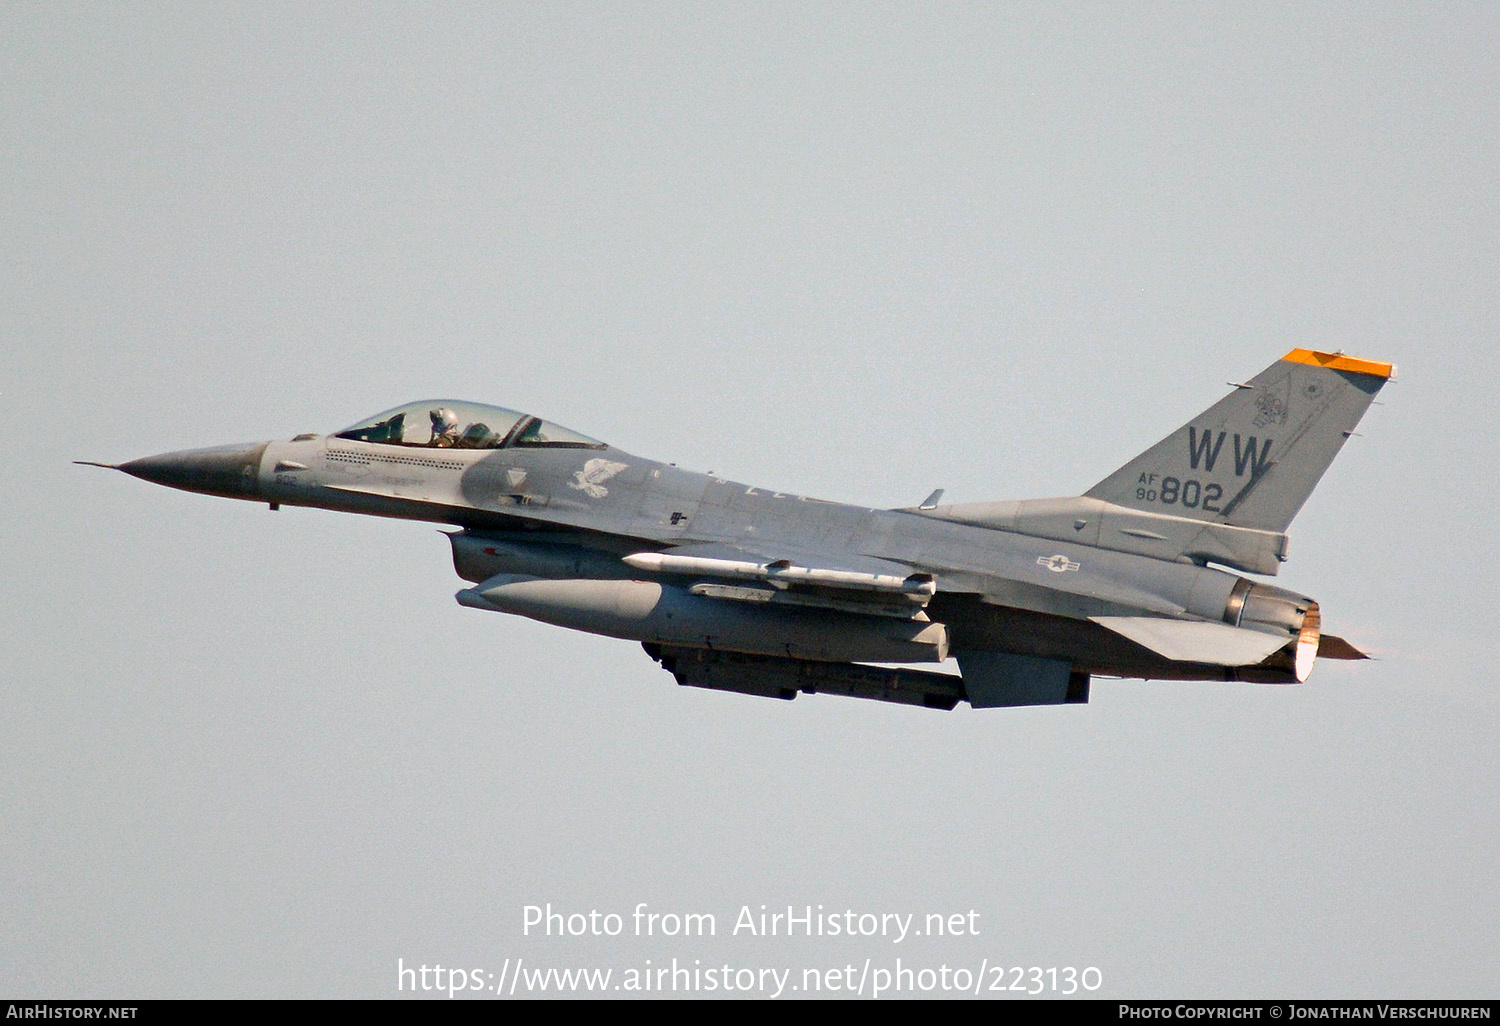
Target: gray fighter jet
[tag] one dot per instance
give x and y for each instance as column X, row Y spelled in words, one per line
column 747, row 589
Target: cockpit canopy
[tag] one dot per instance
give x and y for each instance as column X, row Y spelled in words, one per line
column 451, row 424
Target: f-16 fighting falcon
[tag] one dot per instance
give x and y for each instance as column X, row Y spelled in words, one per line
column 747, row 589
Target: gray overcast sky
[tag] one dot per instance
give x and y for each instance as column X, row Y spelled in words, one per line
column 854, row 251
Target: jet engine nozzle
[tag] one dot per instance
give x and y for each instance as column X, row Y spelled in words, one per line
column 1261, row 607
column 1308, row 639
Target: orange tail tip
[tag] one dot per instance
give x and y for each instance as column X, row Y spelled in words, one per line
column 1338, row 361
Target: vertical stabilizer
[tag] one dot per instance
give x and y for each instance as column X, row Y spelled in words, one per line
column 1253, row 458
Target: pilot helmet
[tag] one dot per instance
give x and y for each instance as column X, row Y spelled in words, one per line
column 444, row 421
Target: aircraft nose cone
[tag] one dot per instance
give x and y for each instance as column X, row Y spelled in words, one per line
column 228, row 470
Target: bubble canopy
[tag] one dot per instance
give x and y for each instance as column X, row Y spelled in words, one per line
column 453, row 424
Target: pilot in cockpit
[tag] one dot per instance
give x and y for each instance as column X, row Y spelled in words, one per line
column 444, row 428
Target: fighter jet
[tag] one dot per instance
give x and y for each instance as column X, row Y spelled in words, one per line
column 751, row 590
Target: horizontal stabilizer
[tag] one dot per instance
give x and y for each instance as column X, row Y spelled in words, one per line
column 1330, row 647
column 1193, row 641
